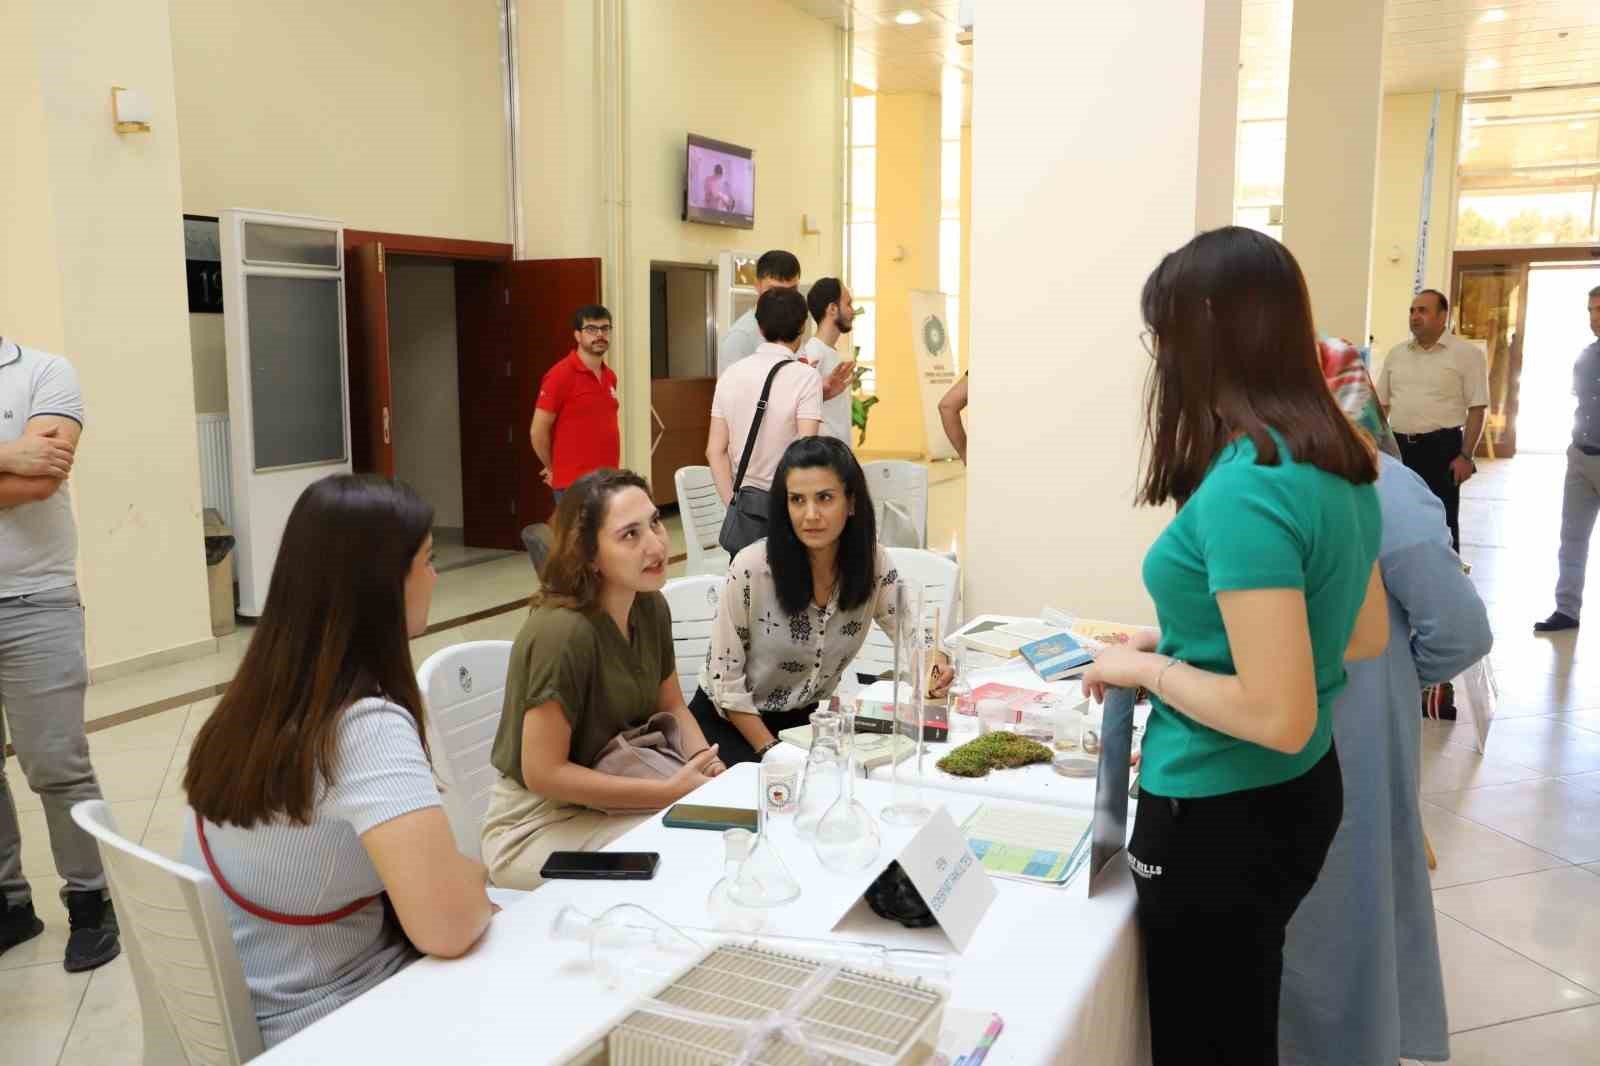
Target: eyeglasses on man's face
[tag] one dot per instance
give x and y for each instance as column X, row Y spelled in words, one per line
column 592, row 330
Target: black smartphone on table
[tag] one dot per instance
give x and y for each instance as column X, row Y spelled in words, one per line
column 601, row 865
column 702, row 816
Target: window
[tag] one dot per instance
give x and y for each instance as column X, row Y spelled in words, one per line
column 1529, row 169
column 861, row 262
column 1258, row 175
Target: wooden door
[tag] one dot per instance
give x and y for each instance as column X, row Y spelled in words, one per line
column 680, row 421
column 367, row 326
column 514, row 322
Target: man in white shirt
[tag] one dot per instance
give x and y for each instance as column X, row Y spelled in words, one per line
column 1435, row 390
column 43, row 666
column 776, row 269
column 794, row 407
column 834, row 313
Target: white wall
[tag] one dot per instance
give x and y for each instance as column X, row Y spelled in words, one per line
column 1055, row 414
column 110, row 231
column 424, row 385
column 383, row 115
column 761, row 74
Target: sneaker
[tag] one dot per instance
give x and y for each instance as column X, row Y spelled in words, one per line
column 18, row 924
column 93, row 941
column 1556, row 623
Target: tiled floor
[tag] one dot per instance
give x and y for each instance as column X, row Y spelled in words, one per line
column 1517, row 831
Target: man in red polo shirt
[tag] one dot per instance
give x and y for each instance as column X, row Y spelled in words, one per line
column 575, row 421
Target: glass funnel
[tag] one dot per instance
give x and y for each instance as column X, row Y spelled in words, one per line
column 725, row 913
column 628, row 945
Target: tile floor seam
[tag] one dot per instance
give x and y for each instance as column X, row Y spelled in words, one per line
column 1493, row 940
column 66, row 1037
column 1530, row 1017
column 1499, row 832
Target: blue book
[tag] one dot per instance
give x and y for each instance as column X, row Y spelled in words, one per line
column 1058, row 657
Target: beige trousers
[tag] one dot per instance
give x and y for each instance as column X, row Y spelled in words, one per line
column 520, row 830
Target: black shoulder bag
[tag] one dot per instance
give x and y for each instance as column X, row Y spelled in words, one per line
column 746, row 520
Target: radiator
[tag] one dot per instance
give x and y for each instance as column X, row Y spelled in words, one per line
column 216, row 473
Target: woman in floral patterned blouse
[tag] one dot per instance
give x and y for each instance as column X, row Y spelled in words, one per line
column 795, row 609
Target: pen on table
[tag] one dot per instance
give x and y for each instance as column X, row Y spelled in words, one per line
column 990, row 1035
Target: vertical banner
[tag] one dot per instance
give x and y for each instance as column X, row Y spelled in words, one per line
column 936, row 364
column 1419, row 281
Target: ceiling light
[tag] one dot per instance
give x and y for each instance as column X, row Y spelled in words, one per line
column 1494, row 14
column 908, row 17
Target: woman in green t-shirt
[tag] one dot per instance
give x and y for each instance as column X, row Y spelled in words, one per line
column 593, row 659
column 1265, row 583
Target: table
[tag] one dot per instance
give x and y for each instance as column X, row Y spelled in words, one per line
column 1064, row 970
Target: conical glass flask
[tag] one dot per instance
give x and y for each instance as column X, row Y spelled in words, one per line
column 824, row 771
column 847, row 837
column 725, row 913
column 763, row 880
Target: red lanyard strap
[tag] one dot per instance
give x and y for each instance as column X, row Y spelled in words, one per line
column 261, row 912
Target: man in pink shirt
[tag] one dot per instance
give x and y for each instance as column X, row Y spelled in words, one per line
column 794, row 406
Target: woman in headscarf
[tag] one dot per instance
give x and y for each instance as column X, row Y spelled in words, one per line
column 1361, row 978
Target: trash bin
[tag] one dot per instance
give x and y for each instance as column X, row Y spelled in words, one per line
column 219, row 572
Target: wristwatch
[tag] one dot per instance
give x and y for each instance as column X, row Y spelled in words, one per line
column 1470, row 462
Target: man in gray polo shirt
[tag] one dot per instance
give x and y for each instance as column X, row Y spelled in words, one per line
column 43, row 668
column 1580, row 497
column 776, row 269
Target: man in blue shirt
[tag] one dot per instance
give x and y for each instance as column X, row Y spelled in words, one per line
column 1580, row 499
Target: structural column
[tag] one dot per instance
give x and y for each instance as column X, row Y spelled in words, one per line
column 1331, row 164
column 1086, row 172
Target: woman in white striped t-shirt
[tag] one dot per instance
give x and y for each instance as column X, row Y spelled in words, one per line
column 314, row 800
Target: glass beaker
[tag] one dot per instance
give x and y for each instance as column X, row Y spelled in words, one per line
column 822, row 778
column 727, row 913
column 847, row 837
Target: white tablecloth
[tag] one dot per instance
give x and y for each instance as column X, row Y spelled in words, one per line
column 1064, row 971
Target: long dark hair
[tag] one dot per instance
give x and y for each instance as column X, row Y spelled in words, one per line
column 569, row 578
column 1236, row 354
column 333, row 631
column 856, row 564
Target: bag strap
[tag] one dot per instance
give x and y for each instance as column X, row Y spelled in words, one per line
column 755, row 426
column 261, row 912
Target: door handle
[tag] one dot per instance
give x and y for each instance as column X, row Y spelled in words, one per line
column 386, row 425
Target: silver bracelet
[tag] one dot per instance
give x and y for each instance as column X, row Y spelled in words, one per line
column 1162, row 676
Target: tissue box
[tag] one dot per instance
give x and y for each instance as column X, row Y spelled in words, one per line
column 866, row 1018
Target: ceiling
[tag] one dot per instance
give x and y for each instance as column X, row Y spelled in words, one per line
column 894, row 58
column 1468, row 45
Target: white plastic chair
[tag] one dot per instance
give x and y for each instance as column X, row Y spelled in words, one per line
column 693, row 601
column 192, row 996
column 701, row 508
column 464, row 688
column 903, row 483
column 940, row 578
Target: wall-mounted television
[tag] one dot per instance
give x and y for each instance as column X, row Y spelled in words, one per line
column 719, row 183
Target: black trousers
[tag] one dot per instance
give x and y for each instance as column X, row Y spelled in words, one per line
column 1430, row 455
column 734, row 748
column 1218, row 880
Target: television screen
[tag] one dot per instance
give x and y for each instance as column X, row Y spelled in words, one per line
column 719, row 184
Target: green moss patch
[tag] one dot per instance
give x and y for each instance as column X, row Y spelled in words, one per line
column 994, row 751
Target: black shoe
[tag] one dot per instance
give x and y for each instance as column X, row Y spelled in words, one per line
column 18, row 925
column 1556, row 623
column 93, row 941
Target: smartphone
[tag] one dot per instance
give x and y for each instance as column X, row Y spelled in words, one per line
column 601, row 865
column 699, row 816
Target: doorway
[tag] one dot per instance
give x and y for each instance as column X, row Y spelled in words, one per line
column 683, row 360
column 1557, row 330
column 448, row 341
column 1514, row 302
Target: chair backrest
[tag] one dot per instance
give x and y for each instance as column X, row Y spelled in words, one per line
column 464, row 687
column 186, row 969
column 701, row 508
column 693, row 601
column 905, row 483
column 940, row 578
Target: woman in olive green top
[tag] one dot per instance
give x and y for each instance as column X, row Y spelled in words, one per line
column 593, row 659
column 1264, row 584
